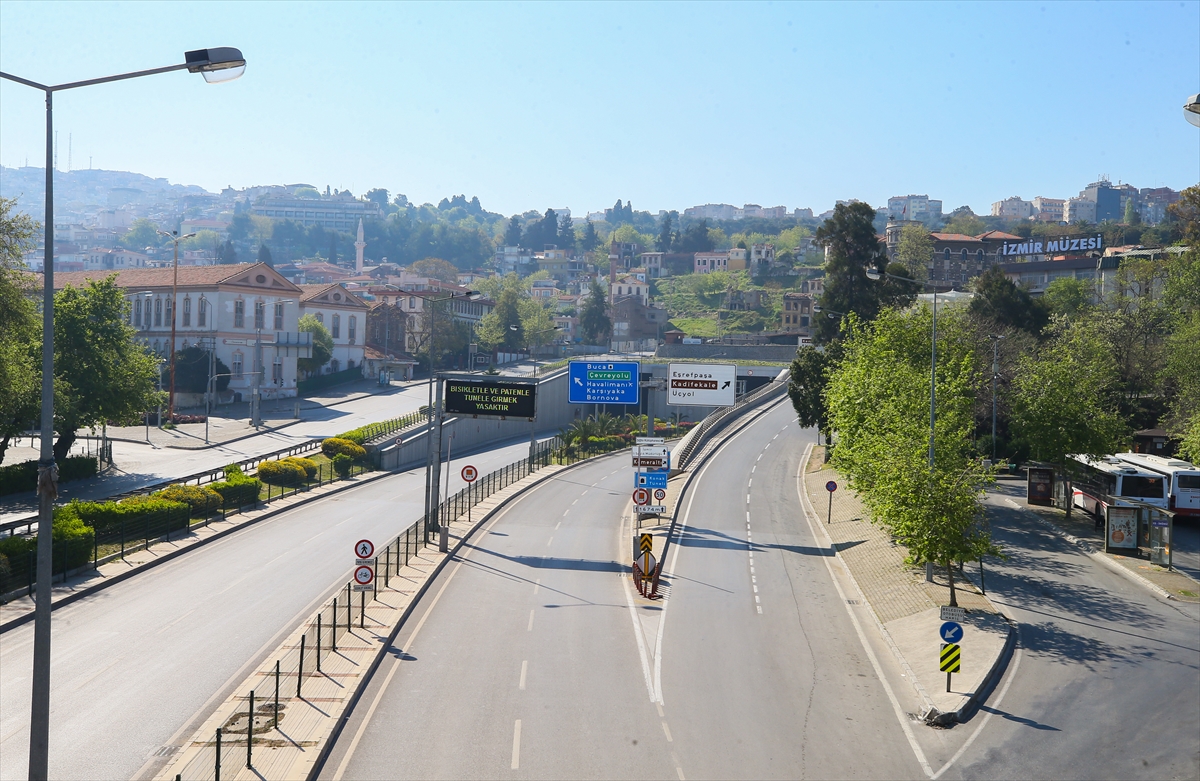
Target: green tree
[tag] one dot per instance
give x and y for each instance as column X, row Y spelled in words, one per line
column 436, row 268
column 965, row 223
column 332, row 255
column 101, row 374
column 593, row 321
column 1064, row 398
column 999, row 300
column 508, row 320
column 695, row 238
column 853, row 248
column 590, row 239
column 537, row 323
column 20, row 371
column 512, row 234
column 143, row 233
column 1068, row 297
column 191, row 371
column 1131, row 214
column 807, row 379
column 227, row 254
column 322, row 344
column 665, row 235
column 566, row 233
column 264, row 255
column 915, row 250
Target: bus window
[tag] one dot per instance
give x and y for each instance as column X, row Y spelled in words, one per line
column 1138, row 487
column 1188, row 481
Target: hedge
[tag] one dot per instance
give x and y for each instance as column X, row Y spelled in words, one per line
column 281, row 473
column 307, row 464
column 73, row 541
column 342, row 464
column 237, row 493
column 202, row 499
column 103, row 516
column 335, row 446
column 17, row 478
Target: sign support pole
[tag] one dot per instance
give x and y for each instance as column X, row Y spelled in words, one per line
column 439, row 420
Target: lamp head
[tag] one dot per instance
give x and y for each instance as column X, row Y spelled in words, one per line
column 873, row 274
column 223, row 63
column 1191, row 110
column 816, row 308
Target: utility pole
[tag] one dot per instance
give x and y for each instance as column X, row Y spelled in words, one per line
column 256, row 378
column 995, row 373
column 175, row 239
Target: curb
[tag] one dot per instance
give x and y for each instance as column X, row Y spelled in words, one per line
column 1088, row 547
column 932, row 715
column 384, row 647
column 115, row 579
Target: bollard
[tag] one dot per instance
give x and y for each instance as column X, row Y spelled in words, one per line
column 349, row 618
column 362, row 610
column 250, row 734
column 318, row 642
column 300, row 669
column 444, row 540
column 276, row 694
column 217, row 763
column 333, row 634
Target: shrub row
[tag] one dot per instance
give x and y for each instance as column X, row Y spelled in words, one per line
column 16, row 478
column 201, row 499
column 108, row 516
column 362, row 434
column 335, row 446
column 73, row 543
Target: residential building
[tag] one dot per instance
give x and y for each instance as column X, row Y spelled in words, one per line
column 321, row 272
column 385, row 342
column 344, row 315
column 737, row 259
column 238, row 309
column 705, row 262
column 544, row 290
column 1079, row 210
column 1107, row 199
column 762, row 258
column 629, row 285
column 1013, row 209
column 105, row 259
column 219, row 227
column 711, row 211
column 636, row 320
column 914, row 207
column 653, row 263
column 461, row 310
column 509, row 260
column 1048, row 209
column 336, row 212
column 797, row 313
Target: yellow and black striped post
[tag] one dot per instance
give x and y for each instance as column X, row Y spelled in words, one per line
column 951, row 661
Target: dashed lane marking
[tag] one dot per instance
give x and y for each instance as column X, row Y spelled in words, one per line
column 536, row 585
column 516, row 755
column 667, row 732
column 530, row 627
column 524, row 669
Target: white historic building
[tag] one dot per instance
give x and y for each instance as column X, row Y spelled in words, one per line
column 344, row 315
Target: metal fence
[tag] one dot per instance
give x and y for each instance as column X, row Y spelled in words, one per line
column 257, row 723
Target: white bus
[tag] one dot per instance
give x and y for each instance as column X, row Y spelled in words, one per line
column 1104, row 482
column 1183, row 480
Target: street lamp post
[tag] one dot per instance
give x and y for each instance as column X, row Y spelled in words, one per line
column 208, row 398
column 175, row 239
column 220, row 64
column 995, row 373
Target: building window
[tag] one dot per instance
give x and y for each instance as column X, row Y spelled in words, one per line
column 237, row 365
column 277, row 371
column 260, row 315
column 239, row 314
column 137, row 313
column 946, row 254
column 979, row 256
column 279, row 317
column 803, row 321
column 202, row 314
column 337, row 326
column 158, row 311
column 964, row 256
column 170, row 316
column 157, row 347
column 333, row 365
column 412, row 302
column 352, row 328
column 187, row 312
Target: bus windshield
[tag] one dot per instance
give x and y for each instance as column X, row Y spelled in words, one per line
column 1139, row 487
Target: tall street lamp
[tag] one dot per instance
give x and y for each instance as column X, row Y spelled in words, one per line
column 175, row 239
column 995, row 373
column 216, row 65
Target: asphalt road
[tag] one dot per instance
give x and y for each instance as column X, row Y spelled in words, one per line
column 141, row 661
column 526, row 663
column 1106, row 683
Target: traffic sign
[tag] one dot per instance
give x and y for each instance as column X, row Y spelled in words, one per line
column 831, row 486
column 951, row 658
column 469, row 473
column 659, row 494
column 951, row 632
column 364, row 549
column 702, row 384
column 651, row 479
column 953, row 614
column 650, row 464
column 649, row 441
column 363, row 575
column 650, row 509
column 645, row 543
column 641, row 496
column 603, row 382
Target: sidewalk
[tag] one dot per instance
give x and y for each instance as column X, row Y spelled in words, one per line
column 292, row 749
column 139, row 558
column 1081, row 530
column 904, row 605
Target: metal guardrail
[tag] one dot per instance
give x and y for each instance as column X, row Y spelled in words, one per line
column 717, row 420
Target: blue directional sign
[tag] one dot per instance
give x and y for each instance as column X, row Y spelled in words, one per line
column 603, row 382
column 951, row 632
column 651, row 480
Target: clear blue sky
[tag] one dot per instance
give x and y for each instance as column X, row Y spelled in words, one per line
column 542, row 105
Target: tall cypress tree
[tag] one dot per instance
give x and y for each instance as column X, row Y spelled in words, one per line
column 512, row 234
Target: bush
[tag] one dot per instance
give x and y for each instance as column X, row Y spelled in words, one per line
column 281, row 473
column 202, row 500
column 342, row 464
column 237, row 493
column 73, row 539
column 307, row 464
column 336, row 445
column 233, row 473
column 77, row 468
column 18, row 478
column 103, row 516
column 355, row 435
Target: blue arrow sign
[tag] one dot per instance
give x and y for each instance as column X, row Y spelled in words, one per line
column 651, row 480
column 951, row 632
column 603, row 382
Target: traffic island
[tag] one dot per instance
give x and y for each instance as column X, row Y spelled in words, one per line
column 906, row 608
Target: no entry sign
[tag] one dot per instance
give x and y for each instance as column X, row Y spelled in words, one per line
column 641, row 496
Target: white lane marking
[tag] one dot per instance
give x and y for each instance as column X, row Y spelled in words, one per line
column 524, row 669
column 752, row 578
column 756, row 599
column 753, row 468
column 660, row 710
column 536, row 585
column 759, row 609
column 747, row 517
column 679, row 772
column 530, row 627
column 516, row 758
column 667, row 732
column 755, row 589
column 1012, row 504
column 575, row 502
column 862, row 637
column 557, row 525
column 759, row 457
column 752, row 571
column 1012, row 676
column 747, row 498
column 549, row 541
column 768, row 444
column 566, row 511
column 641, row 641
column 750, row 482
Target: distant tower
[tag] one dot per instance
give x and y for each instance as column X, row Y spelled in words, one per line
column 359, row 246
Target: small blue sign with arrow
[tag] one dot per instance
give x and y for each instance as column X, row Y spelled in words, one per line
column 951, row 632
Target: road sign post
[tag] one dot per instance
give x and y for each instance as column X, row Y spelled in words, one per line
column 469, row 475
column 831, row 486
column 951, row 660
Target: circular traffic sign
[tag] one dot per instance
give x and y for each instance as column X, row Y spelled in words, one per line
column 659, row 494
column 951, row 632
column 363, row 575
column 831, row 486
column 469, row 473
column 364, row 549
column 399, row 441
column 641, row 496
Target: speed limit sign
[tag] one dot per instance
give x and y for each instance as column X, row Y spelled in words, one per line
column 659, row 494
column 469, row 473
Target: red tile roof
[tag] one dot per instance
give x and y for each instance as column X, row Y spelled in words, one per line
column 160, row 277
column 953, row 237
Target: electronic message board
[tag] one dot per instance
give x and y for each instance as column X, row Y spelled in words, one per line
column 491, row 398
